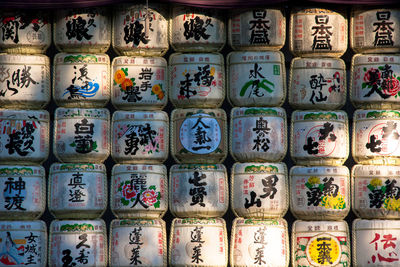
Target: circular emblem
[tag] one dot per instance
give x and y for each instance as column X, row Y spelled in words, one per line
column 320, row 140
column 323, row 250
column 383, row 138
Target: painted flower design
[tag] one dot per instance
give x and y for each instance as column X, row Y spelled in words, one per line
column 126, row 84
column 376, row 182
column 128, row 191
column 372, row 76
column 119, row 76
column 313, row 180
column 391, row 86
column 158, row 91
column 149, row 197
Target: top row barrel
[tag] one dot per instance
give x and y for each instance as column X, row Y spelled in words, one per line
column 147, row 31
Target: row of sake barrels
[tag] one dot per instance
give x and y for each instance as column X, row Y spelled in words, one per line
column 142, row 30
column 199, row 136
column 258, row 190
column 198, row 80
column 200, row 242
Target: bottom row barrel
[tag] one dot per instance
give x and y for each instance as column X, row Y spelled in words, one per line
column 199, row 242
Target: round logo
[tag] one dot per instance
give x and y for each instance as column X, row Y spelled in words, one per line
column 200, row 134
column 383, row 139
column 320, row 140
column 323, row 250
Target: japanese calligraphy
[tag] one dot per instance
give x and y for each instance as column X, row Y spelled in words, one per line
column 388, row 243
column 75, row 188
column 137, row 135
column 83, row 139
column 145, row 77
column 78, row 28
column 262, row 131
column 201, row 137
column 269, row 188
column 316, row 190
column 384, row 30
column 204, row 77
column 260, row 238
column 198, row 191
column 324, row 250
column 82, row 85
column 19, row 79
column 134, row 239
column 83, row 255
column 10, row 26
column 134, row 30
column 326, row 134
column 383, row 195
column 382, row 81
column 259, row 27
column 21, row 141
column 31, row 249
column 14, row 193
column 196, row 237
column 196, row 28
column 322, row 34
column 388, row 131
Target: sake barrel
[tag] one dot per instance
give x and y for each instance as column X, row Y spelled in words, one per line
column 374, row 30
column 198, row 190
column 264, row 82
column 256, row 242
column 24, row 81
column 77, row 190
column 198, row 242
column 24, row 192
column 320, row 243
column 81, row 80
column 319, row 137
column 140, row 136
column 196, row 29
column 24, row 136
column 199, row 135
column 138, row 242
column 316, row 32
column 82, row 29
column 257, row 29
column 25, row 31
column 139, row 191
column 259, row 190
column 317, row 83
column 139, row 83
column 196, row 80
column 375, row 81
column 81, row 135
column 258, row 134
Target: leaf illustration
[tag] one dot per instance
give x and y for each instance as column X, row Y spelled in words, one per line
column 245, row 87
column 363, row 85
column 124, row 202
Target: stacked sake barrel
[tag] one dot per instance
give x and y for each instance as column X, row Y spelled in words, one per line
column 77, row 186
column 258, row 138
column 319, row 183
column 198, row 187
column 140, row 136
column 24, row 136
column 375, row 92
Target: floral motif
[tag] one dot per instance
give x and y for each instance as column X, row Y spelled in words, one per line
column 313, row 180
column 119, row 76
column 149, row 197
column 128, row 192
column 158, row 91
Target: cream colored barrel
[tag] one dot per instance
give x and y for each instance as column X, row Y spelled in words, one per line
column 139, row 191
column 256, row 242
column 81, row 135
column 140, row 136
column 376, row 138
column 24, row 192
column 24, row 32
column 81, row 80
column 82, row 30
column 320, row 192
column 316, row 32
column 317, row 83
column 198, row 242
column 199, row 135
column 77, row 190
column 139, row 83
column 375, row 191
column 198, row 190
column 256, row 78
column 256, row 29
column 375, row 81
column 258, row 134
column 138, row 242
column 194, row 29
column 375, row 30
column 24, row 81
column 78, row 242
column 196, row 80
column 320, row 243
column 140, row 29
column 26, row 243
column 319, row 137
column 259, row 190
column 24, row 136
